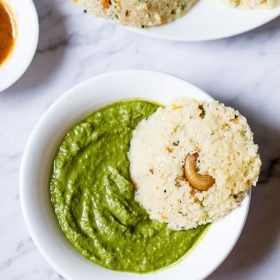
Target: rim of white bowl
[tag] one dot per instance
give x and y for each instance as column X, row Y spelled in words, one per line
column 27, row 211
column 27, row 29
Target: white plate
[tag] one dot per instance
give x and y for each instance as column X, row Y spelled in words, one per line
column 211, row 19
column 27, row 30
column 37, row 163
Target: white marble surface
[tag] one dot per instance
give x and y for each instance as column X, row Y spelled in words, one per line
column 243, row 72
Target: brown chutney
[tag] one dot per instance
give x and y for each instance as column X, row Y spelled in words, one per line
column 7, row 32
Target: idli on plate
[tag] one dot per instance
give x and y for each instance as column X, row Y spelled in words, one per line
column 139, row 13
column 251, row 4
column 147, row 13
column 192, row 162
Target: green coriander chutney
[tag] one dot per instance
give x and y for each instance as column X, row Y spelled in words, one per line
column 93, row 197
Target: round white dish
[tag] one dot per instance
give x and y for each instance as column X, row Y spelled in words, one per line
column 209, row 20
column 27, row 32
column 37, row 164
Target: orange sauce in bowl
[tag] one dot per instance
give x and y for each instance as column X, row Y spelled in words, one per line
column 7, row 32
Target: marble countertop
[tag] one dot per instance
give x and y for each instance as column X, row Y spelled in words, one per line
column 243, row 72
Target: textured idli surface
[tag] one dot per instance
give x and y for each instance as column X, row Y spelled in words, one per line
column 251, row 4
column 147, row 13
column 140, row 13
column 222, row 141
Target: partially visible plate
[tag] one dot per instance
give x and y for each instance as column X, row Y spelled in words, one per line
column 37, row 161
column 209, row 20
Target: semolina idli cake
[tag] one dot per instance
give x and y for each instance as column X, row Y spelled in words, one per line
column 192, row 162
column 251, row 4
column 148, row 13
column 139, row 13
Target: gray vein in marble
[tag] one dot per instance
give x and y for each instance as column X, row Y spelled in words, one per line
column 55, row 46
column 272, row 171
column 22, row 248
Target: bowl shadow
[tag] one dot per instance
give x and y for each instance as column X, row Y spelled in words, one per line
column 263, row 32
column 53, row 39
column 274, row 24
column 263, row 224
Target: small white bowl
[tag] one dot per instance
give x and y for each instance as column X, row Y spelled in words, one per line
column 37, row 164
column 27, row 32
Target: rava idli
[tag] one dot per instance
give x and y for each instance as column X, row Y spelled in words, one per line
column 251, row 4
column 139, row 13
column 192, row 162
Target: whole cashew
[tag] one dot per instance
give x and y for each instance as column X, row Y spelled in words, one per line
column 196, row 180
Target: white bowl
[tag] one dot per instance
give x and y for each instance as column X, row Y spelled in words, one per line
column 211, row 19
column 37, row 164
column 27, row 31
